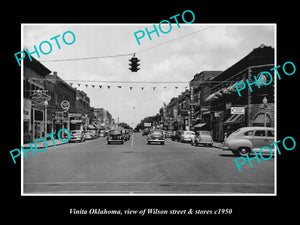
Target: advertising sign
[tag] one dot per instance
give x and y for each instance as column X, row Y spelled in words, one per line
column 238, row 110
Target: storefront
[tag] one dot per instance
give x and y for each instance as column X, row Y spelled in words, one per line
column 27, row 120
column 257, row 105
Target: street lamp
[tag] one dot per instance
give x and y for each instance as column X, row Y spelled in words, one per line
column 45, row 118
column 265, row 101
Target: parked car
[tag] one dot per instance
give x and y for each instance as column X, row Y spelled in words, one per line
column 202, row 137
column 186, row 136
column 77, row 135
column 248, row 139
column 89, row 134
column 156, row 136
column 176, row 135
column 115, row 136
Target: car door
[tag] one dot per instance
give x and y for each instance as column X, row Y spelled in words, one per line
column 270, row 138
column 259, row 139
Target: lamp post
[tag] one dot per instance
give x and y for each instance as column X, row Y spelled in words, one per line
column 265, row 101
column 45, row 119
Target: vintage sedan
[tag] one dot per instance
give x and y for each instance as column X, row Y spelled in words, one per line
column 202, row 137
column 249, row 139
column 115, row 136
column 77, row 135
column 186, row 136
column 90, row 134
column 156, row 136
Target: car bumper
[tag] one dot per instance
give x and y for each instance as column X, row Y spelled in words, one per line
column 115, row 140
column 205, row 142
column 226, row 148
column 186, row 139
column 75, row 139
column 155, row 140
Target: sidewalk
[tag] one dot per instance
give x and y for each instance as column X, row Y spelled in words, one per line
column 41, row 145
column 218, row 144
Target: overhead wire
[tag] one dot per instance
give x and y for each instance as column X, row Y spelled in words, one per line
column 128, row 54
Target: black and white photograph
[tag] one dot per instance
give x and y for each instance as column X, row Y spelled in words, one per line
column 138, row 112
column 143, row 109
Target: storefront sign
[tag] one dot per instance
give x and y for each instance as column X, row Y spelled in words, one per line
column 27, row 109
column 40, row 97
column 65, row 105
column 238, row 110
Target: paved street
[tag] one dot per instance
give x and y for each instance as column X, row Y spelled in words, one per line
column 93, row 167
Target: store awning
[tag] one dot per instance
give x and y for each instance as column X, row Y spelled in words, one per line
column 211, row 97
column 232, row 87
column 260, row 118
column 234, row 119
column 200, row 125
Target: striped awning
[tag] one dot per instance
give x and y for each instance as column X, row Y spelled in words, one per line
column 234, row 119
column 260, row 118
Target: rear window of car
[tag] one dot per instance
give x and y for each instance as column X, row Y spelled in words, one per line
column 114, row 132
column 156, row 132
column 204, row 132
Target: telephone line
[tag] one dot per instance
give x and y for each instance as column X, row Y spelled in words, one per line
column 127, row 54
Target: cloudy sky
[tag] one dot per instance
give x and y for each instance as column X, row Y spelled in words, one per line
column 173, row 57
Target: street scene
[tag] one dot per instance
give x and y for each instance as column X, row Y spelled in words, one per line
column 160, row 117
column 94, row 167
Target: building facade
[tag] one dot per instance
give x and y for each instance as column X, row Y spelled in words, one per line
column 257, row 106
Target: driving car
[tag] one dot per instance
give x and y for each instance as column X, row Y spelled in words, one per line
column 115, row 136
column 176, row 135
column 169, row 133
column 77, row 135
column 249, row 139
column 202, row 137
column 186, row 136
column 156, row 136
column 146, row 131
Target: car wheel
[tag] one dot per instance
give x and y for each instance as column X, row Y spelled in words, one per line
column 108, row 143
column 243, row 151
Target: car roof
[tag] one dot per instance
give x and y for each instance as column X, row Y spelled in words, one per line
column 256, row 128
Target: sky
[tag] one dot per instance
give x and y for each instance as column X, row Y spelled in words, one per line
column 172, row 57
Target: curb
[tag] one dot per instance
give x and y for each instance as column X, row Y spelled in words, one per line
column 61, row 143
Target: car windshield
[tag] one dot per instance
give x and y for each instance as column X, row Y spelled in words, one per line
column 204, row 132
column 75, row 132
column 114, row 132
column 190, row 132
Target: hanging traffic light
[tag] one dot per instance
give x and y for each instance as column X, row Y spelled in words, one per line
column 134, row 63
